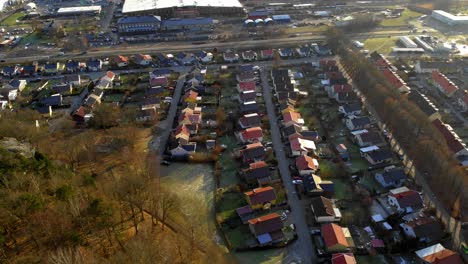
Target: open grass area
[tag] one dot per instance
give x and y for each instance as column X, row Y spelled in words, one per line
column 11, row 20
column 237, row 236
column 229, row 166
column 402, row 20
column 270, row 256
column 228, row 204
column 381, row 45
column 35, row 38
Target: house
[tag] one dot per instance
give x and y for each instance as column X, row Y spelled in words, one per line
column 437, row 254
column 10, row 71
column 257, row 172
column 335, row 89
column 184, row 150
column 267, row 229
column 92, row 100
column 344, row 98
column 249, row 55
column 151, row 103
column 324, row 210
column 260, row 198
column 29, row 70
column 343, row 258
column 160, row 72
column 72, row 66
column 463, row 101
column 286, row 52
column 204, row 57
column 15, row 84
column 328, row 65
column 73, row 79
column 186, row 59
column 368, row 138
column 246, row 86
column 62, row 88
column 334, row 77
column 230, row 56
column 301, row 146
column 425, row 104
column 444, row 66
column 51, row 67
column 121, row 61
column 182, row 134
column 426, row 229
column 380, row 61
column 290, row 118
column 94, row 65
column 266, row 54
column 246, row 77
column 159, row 81
column 357, row 123
column 314, row 185
column 306, row 165
column 395, row 81
column 310, row 135
column 139, row 25
column 405, row 200
column 53, row 100
column 444, row 84
column 391, row 177
column 79, row 115
column 247, row 96
column 245, row 213
column 248, row 108
column 334, row 238
column 190, row 96
column 250, row 135
column 291, row 130
column 253, row 152
column 143, row 59
column 304, row 52
column 106, row 81
column 354, row 109
column 378, row 156
column 12, row 94
column 189, row 117
column 454, row 143
column 250, row 120
column 343, row 151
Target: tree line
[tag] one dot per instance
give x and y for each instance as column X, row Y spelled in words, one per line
column 418, row 137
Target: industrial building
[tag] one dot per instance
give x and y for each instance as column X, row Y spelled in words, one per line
column 281, row 19
column 183, row 8
column 187, row 24
column 139, row 24
column 423, row 44
column 408, row 43
column 449, row 19
column 79, row 10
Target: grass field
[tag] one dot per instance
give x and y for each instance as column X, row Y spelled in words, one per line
column 228, row 205
column 402, row 20
column 11, row 20
column 381, row 45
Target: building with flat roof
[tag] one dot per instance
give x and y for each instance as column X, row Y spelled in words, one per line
column 139, row 24
column 169, row 8
column 187, row 24
column 449, row 19
column 79, row 10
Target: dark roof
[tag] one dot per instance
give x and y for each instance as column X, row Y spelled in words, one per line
column 51, row 65
column 291, row 129
column 266, row 224
column 189, row 147
column 252, row 151
column 310, row 135
column 241, row 211
column 30, row 68
column 354, row 107
column 245, row 68
column 248, row 108
column 393, row 175
column 54, row 100
column 361, row 121
column 14, row 83
column 423, row 103
column 9, row 69
column 159, row 72
column 72, row 64
column 259, row 13
column 309, row 183
column 322, row 206
column 373, row 137
column 454, row 144
column 186, row 21
column 380, row 154
column 427, row 227
column 62, row 88
column 94, row 63
column 152, row 100
column 139, row 19
column 261, row 195
column 260, row 170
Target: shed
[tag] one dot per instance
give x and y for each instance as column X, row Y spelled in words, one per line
column 281, row 18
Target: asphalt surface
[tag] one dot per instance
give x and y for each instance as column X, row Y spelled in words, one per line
column 304, row 243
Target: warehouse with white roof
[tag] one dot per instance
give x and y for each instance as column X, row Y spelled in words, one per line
column 449, row 19
column 171, row 8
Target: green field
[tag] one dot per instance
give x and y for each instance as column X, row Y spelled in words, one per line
column 381, row 45
column 402, row 20
column 11, row 20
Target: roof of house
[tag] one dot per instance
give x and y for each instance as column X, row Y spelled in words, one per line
column 51, row 66
column 360, row 121
column 244, row 210
column 446, row 84
column 380, row 154
column 310, row 135
column 94, row 63
column 333, row 235
column 396, row 174
column 247, row 86
column 253, row 150
column 305, row 162
column 292, row 116
column 261, row 195
column 182, row 129
column 354, row 107
column 291, row 129
column 327, row 63
column 370, row 136
column 245, row 75
column 408, row 198
column 322, row 206
column 437, row 254
column 299, row 144
column 247, row 95
column 158, row 80
column 190, row 94
column 393, row 78
column 186, row 21
column 62, row 88
column 252, row 133
column 380, row 60
column 266, row 224
column 343, row 258
column 248, row 107
column 427, row 227
column 250, row 120
column 342, row 88
column 453, row 142
column 267, row 52
column 423, row 103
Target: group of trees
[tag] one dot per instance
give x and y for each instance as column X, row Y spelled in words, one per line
column 91, row 196
column 418, row 137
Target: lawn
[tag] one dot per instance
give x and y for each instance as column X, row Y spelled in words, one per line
column 381, row 45
column 402, row 20
column 11, row 20
column 227, row 205
column 229, row 166
column 237, row 236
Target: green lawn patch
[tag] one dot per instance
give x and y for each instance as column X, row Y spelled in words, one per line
column 228, row 202
column 402, row 20
column 11, row 20
column 381, row 45
column 237, row 236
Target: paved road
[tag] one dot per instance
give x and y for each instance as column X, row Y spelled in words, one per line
column 171, row 115
column 305, row 246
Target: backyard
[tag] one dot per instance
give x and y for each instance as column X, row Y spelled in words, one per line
column 401, row 21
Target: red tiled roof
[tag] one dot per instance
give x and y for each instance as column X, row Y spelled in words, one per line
column 342, row 88
column 393, row 78
column 247, row 86
column 182, row 129
column 261, row 195
column 291, row 116
column 120, row 59
column 305, row 162
column 191, row 94
column 159, row 80
column 258, row 164
column 333, row 235
column 445, row 256
column 110, row 74
column 254, row 145
column 252, row 133
column 267, row 52
column 266, row 224
column 448, row 86
column 453, row 143
column 343, row 258
column 263, row 218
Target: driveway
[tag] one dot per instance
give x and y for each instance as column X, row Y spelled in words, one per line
column 304, row 246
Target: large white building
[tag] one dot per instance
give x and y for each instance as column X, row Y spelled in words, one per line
column 168, row 8
column 449, row 19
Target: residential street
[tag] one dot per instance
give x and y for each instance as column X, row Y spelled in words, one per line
column 304, row 242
